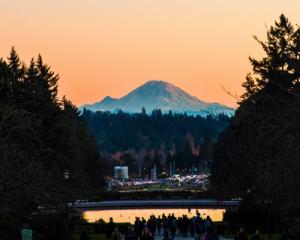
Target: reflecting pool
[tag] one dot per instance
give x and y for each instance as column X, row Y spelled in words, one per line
column 129, row 215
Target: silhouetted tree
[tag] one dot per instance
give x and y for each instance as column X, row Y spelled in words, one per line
column 41, row 140
column 258, row 154
column 144, row 111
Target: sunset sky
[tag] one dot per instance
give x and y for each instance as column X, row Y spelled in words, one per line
column 109, row 47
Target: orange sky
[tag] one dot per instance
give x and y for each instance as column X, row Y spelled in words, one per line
column 109, row 47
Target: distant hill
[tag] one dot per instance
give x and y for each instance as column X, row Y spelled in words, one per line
column 139, row 140
column 156, row 94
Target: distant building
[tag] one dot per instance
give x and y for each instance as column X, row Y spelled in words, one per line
column 121, row 172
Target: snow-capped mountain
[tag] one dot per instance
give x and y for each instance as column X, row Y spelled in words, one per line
column 156, row 94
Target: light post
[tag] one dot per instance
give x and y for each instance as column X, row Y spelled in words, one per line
column 67, row 178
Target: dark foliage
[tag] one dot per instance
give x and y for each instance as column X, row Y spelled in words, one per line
column 51, row 226
column 47, row 155
column 140, row 140
column 253, row 216
column 259, row 154
column 10, row 229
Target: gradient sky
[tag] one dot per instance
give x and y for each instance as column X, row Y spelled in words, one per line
column 109, row 47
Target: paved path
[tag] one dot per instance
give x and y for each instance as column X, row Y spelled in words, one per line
column 160, row 237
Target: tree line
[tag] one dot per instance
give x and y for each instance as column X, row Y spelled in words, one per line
column 258, row 156
column 47, row 155
column 141, row 140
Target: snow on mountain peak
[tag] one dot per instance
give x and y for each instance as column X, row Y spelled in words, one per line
column 159, row 94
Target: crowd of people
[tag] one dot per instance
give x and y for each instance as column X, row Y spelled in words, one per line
column 166, row 226
column 169, row 227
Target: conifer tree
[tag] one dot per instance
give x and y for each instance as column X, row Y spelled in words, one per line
column 41, row 138
column 259, row 154
column 46, row 83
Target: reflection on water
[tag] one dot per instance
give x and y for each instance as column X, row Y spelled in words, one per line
column 131, row 214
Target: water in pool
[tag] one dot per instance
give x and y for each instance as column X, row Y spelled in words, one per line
column 129, row 215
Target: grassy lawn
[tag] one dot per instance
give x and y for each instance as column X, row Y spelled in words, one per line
column 156, row 187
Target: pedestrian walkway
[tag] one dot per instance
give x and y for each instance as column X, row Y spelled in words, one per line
column 222, row 238
column 160, row 237
column 176, row 238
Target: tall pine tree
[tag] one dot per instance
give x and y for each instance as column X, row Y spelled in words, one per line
column 259, row 153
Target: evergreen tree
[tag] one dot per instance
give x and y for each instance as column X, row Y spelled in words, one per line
column 156, row 135
column 259, row 153
column 41, row 140
column 46, row 87
column 144, row 111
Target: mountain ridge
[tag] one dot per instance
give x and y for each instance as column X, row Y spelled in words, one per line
column 159, row 94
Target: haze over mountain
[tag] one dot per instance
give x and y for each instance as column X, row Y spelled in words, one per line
column 156, row 94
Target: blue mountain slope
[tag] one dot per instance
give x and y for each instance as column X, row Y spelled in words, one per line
column 159, row 94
